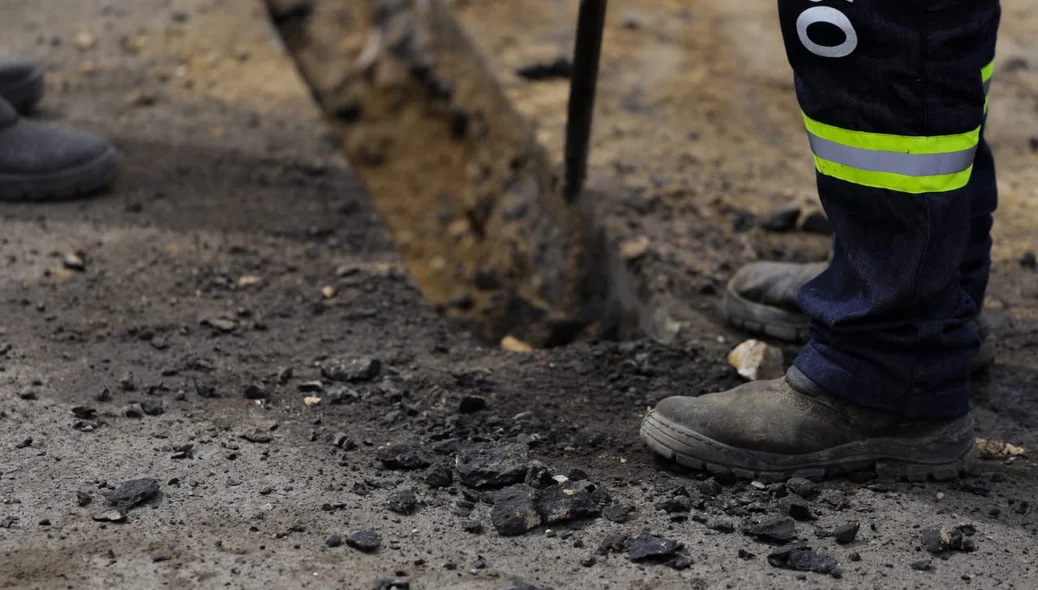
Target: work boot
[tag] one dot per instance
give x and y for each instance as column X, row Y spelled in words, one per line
column 38, row 162
column 761, row 299
column 773, row 430
column 21, row 83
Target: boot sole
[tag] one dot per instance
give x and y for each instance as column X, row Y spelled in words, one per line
column 766, row 320
column 25, row 94
column 941, row 457
column 67, row 184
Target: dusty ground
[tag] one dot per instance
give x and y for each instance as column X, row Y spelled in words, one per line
column 205, row 266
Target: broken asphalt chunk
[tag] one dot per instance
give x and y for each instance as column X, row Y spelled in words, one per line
column 352, row 369
column 132, row 493
column 944, row 540
column 647, row 547
column 800, row 557
column 796, row 507
column 779, row 531
column 618, row 513
column 403, row 502
column 366, row 541
column 564, row 502
column 402, row 456
column 439, row 476
column 515, row 510
column 487, row 465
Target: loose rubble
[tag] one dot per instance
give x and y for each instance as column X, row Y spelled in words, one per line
column 756, row 360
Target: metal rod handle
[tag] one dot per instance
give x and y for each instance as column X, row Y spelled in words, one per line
column 586, row 57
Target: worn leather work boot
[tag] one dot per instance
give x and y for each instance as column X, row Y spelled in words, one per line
column 38, row 162
column 773, row 430
column 761, row 299
column 21, row 83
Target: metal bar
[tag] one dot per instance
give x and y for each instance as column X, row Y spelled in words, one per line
column 586, row 57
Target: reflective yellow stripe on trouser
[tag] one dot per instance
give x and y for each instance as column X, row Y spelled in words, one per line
column 908, row 164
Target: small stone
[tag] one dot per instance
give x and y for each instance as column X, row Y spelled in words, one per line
column 342, row 396
column 756, row 360
column 1029, row 260
column 613, row 543
column 179, row 16
column 563, row 502
column 366, row 541
column 352, row 370
column 132, row 493
column 472, row 526
column 634, row 248
column 854, row 556
column 224, row 325
column 471, row 404
column 796, row 507
column 152, row 407
column 83, row 499
column 834, row 499
column 710, row 488
column 783, row 219
column 391, row 584
column 28, row 395
column 515, row 511
column 402, row 456
column 780, row 530
column 142, row 98
column 84, row 412
column 513, row 344
column 439, row 476
column 258, row 435
column 650, row 547
column 744, row 554
column 486, row 465
column 403, row 502
column 255, row 391
column 133, row 411
column 804, row 488
column 589, row 561
column 678, row 504
column 802, row 558
column 159, row 558
column 618, row 513
column 127, row 382
column 847, row 533
column 84, row 40
column 110, row 516
column 923, row 565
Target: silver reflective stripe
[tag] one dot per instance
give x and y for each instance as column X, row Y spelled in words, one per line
column 892, row 162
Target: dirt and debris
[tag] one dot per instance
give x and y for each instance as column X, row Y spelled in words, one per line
column 779, row 530
column 939, row 541
column 234, row 206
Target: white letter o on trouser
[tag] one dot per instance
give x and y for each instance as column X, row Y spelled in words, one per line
column 826, row 14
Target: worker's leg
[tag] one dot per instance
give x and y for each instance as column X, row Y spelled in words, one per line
column 893, row 99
